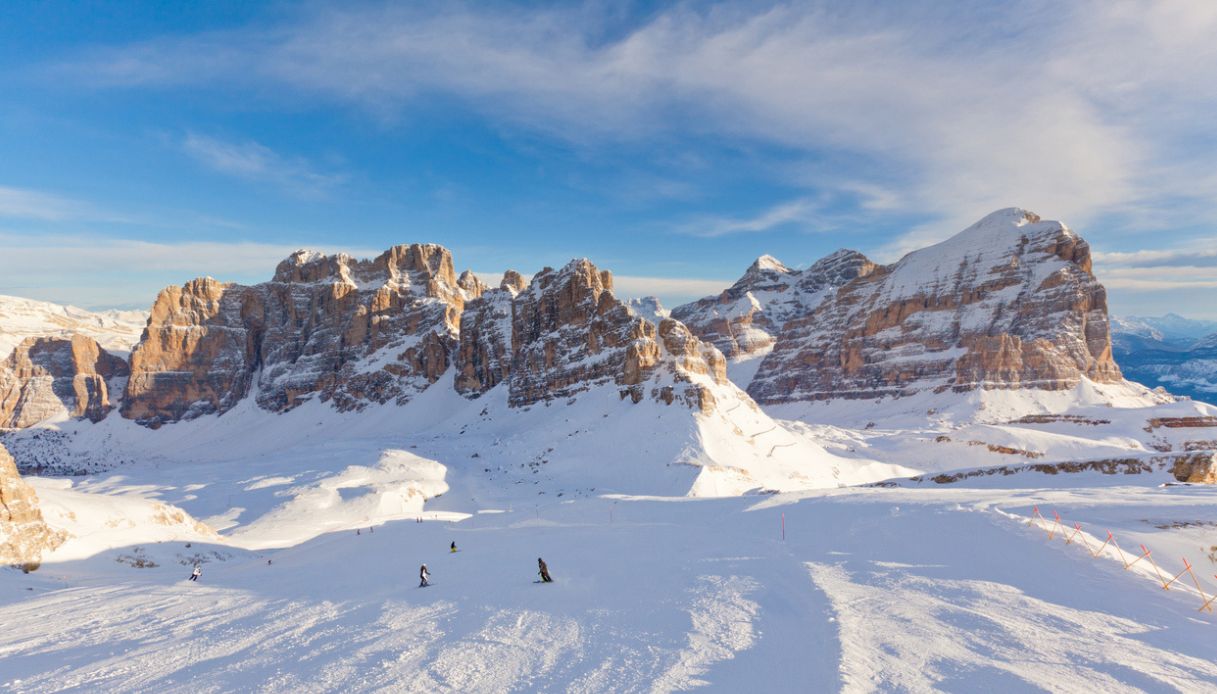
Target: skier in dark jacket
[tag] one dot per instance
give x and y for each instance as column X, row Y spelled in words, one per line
column 544, row 571
column 423, row 577
column 452, row 547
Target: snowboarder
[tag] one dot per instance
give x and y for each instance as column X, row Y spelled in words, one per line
column 198, row 571
column 423, row 577
column 452, row 547
column 543, row 570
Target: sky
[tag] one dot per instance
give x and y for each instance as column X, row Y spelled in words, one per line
column 146, row 143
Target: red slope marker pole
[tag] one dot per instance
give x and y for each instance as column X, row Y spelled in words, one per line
column 1102, row 546
column 783, row 527
column 1187, row 568
column 1208, row 602
column 1134, row 561
column 1056, row 525
column 1077, row 529
column 1165, row 585
column 1199, row 589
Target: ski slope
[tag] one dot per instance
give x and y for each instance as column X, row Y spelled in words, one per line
column 872, row 590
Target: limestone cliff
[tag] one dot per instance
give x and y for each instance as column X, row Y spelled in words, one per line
column 348, row 331
column 1010, row 302
column 24, row 536
column 47, row 376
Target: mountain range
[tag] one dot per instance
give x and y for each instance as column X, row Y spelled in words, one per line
column 994, row 345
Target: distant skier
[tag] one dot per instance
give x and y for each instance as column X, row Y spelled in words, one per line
column 543, row 570
column 452, row 547
column 198, row 571
column 424, row 577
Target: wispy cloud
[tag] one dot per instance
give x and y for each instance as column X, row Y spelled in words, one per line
column 252, row 161
column 1193, row 267
column 1072, row 111
column 96, row 271
column 24, row 203
column 799, row 211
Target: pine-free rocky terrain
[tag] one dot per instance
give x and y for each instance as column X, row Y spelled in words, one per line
column 820, row 479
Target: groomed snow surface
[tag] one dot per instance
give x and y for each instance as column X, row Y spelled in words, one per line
column 872, row 590
column 307, row 529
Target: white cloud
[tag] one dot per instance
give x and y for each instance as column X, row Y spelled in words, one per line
column 671, row 291
column 791, row 212
column 94, row 271
column 23, row 203
column 1072, row 111
column 252, row 161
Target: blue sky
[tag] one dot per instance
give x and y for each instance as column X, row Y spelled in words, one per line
column 142, row 144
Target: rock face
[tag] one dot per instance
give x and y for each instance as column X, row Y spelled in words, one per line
column 46, row 376
column 357, row 332
column 1009, row 302
column 24, row 536
column 484, row 358
column 566, row 333
column 348, row 331
column 746, row 317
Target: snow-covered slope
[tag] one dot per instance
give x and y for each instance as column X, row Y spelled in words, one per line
column 116, row 331
column 866, row 590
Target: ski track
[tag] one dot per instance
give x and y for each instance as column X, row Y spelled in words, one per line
column 198, row 639
column 915, row 634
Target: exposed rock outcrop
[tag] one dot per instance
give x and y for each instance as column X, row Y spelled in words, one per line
column 24, row 536
column 1009, row 302
column 484, row 356
column 346, row 330
column 746, row 317
column 567, row 333
column 47, row 376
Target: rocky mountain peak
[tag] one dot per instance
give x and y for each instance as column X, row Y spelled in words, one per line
column 1010, row 302
column 46, row 376
column 513, row 282
column 744, row 318
column 471, row 285
column 351, row 331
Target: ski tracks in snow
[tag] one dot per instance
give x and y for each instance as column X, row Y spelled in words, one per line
column 140, row 638
column 903, row 632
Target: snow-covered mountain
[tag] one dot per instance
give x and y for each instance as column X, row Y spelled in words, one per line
column 1172, row 352
column 1010, row 302
column 310, row 440
column 116, row 331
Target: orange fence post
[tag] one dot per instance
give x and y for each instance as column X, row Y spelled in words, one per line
column 1055, row 525
column 1208, row 602
column 1077, row 530
column 1102, row 546
column 1187, row 568
column 1165, row 585
column 1134, row 561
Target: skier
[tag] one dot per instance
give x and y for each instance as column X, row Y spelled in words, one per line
column 198, row 571
column 543, row 570
column 423, row 576
column 452, row 547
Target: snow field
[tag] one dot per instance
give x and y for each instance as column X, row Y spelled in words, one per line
column 873, row 590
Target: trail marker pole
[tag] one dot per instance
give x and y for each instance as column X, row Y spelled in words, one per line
column 783, row 527
column 1208, row 602
column 1102, row 546
column 1077, row 529
column 1200, row 590
column 1055, row 525
column 1134, row 561
column 1165, row 585
column 1187, row 568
